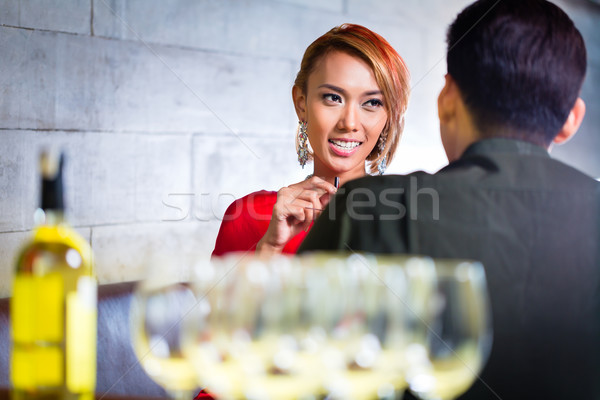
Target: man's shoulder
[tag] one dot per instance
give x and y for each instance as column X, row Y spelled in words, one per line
column 387, row 181
column 517, row 171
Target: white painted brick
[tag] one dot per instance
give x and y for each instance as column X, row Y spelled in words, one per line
column 124, row 252
column 19, row 186
column 28, row 76
column 385, row 9
column 266, row 28
column 421, row 12
column 99, row 177
column 209, row 92
column 103, row 174
column 60, row 81
column 11, row 244
column 16, row 183
column 9, row 12
column 163, row 167
column 407, row 38
column 67, row 16
column 227, row 167
column 331, row 5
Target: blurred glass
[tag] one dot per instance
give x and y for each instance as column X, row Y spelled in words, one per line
column 304, row 327
column 336, row 326
column 451, row 306
column 251, row 335
column 159, row 305
column 365, row 344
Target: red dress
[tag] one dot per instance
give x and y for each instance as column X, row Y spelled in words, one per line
column 246, row 221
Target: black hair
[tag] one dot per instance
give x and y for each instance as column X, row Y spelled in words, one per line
column 519, row 65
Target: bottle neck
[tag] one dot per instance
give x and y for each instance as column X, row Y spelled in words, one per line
column 51, row 211
column 49, row 217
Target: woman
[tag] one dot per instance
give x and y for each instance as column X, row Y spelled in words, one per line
column 350, row 96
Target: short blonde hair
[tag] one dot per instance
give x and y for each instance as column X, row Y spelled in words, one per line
column 391, row 74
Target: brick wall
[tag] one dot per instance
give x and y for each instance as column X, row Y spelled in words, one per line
column 170, row 109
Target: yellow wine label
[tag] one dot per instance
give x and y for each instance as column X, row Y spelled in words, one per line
column 36, row 366
column 21, row 309
column 49, row 366
column 37, row 326
column 22, row 367
column 49, row 308
column 81, row 336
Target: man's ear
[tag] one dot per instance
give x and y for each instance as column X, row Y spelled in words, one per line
column 299, row 99
column 447, row 100
column 573, row 122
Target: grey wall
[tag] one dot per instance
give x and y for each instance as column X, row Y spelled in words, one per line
column 170, row 109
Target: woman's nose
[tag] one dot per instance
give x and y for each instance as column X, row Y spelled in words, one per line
column 349, row 119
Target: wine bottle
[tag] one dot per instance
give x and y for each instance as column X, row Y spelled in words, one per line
column 54, row 303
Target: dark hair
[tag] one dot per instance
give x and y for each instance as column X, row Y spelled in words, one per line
column 519, row 65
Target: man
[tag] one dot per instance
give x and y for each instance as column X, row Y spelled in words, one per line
column 515, row 70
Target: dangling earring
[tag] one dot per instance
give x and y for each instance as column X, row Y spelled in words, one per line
column 383, row 163
column 302, row 144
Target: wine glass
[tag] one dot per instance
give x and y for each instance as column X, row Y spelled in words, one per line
column 250, row 335
column 304, row 327
column 365, row 344
column 459, row 334
column 158, row 306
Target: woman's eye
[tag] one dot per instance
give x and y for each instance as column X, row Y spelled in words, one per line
column 374, row 103
column 332, row 97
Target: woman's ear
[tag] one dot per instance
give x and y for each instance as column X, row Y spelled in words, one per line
column 299, row 99
column 573, row 122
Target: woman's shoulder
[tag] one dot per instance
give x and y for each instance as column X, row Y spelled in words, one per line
column 254, row 204
column 261, row 195
column 245, row 222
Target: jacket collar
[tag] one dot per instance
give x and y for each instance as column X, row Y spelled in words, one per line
column 503, row 145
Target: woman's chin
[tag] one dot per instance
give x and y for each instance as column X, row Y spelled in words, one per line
column 343, row 168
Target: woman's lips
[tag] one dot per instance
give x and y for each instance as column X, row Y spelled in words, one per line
column 344, row 148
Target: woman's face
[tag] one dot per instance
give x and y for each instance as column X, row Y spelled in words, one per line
column 345, row 114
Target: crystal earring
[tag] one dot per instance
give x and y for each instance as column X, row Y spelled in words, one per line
column 302, row 144
column 383, row 163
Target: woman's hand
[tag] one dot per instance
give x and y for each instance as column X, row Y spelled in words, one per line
column 297, row 206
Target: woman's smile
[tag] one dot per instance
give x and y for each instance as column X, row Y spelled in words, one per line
column 344, row 147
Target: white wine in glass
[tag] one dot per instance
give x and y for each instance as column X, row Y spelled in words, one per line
column 249, row 336
column 158, row 307
column 459, row 333
column 314, row 326
column 366, row 343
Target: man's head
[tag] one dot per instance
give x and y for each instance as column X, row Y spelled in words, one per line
column 517, row 66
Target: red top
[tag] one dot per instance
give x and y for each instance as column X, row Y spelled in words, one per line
column 204, row 395
column 246, row 221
